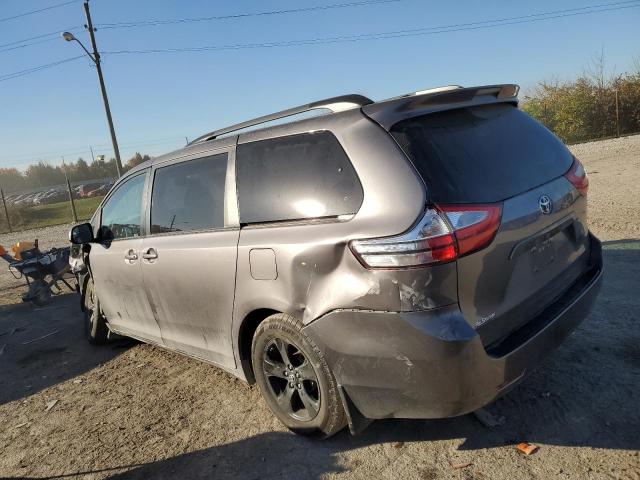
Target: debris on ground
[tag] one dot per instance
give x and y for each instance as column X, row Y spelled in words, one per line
column 21, row 425
column 527, row 448
column 40, row 338
column 488, row 419
column 458, row 466
column 50, row 405
column 42, row 270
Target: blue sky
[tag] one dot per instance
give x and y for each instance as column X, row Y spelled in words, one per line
column 158, row 99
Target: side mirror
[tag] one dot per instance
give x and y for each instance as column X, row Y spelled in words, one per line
column 82, row 233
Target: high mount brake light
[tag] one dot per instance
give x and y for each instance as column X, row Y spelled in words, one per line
column 443, row 234
column 577, row 175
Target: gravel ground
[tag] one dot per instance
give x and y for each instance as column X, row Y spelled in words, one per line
column 129, row 410
column 613, row 167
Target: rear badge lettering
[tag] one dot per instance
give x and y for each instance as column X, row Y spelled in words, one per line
column 484, row 320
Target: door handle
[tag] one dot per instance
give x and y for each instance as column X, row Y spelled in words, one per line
column 131, row 255
column 150, row 254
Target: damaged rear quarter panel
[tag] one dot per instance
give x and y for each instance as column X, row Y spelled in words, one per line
column 317, row 272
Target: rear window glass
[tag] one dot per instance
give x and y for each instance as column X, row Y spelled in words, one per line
column 481, row 154
column 295, row 177
column 189, row 195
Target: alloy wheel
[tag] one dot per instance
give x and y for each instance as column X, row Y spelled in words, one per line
column 291, row 379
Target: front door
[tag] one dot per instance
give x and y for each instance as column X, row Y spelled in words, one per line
column 115, row 262
column 189, row 258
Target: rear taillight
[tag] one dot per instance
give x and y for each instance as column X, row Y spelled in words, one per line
column 578, row 177
column 443, row 234
column 474, row 225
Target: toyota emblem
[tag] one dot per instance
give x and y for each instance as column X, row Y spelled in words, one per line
column 546, row 206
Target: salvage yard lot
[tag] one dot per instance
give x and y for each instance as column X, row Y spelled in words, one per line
column 129, row 410
column 52, row 214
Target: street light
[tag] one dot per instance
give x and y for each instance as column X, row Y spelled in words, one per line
column 95, row 58
column 69, row 37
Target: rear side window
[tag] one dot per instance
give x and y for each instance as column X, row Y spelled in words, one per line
column 189, row 195
column 481, row 154
column 295, row 177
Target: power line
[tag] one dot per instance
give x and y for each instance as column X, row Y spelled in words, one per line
column 400, row 33
column 485, row 24
column 36, row 37
column 27, row 158
column 15, row 45
column 5, row 19
column 153, row 23
column 10, row 76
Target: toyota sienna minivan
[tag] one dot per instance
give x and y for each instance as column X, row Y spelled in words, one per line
column 411, row 258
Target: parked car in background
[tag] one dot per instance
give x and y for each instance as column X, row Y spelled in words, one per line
column 410, row 258
column 87, row 188
column 56, row 196
column 101, row 190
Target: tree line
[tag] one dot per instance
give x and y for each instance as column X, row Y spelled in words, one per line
column 590, row 107
column 42, row 174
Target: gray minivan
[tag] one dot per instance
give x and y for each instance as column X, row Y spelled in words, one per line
column 411, row 258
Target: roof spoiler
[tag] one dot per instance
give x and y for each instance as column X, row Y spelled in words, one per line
column 333, row 104
column 389, row 112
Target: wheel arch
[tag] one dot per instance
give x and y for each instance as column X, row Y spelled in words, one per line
column 248, row 327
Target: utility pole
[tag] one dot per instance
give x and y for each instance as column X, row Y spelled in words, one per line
column 93, row 158
column 6, row 212
column 617, row 113
column 96, row 59
column 73, row 205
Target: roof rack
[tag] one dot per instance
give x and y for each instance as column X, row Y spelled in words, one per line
column 335, row 104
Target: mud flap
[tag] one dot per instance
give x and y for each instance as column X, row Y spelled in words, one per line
column 357, row 422
column 82, row 279
column 111, row 336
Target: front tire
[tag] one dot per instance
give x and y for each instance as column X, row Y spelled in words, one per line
column 95, row 324
column 294, row 378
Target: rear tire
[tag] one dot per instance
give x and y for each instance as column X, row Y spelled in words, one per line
column 95, row 324
column 294, row 378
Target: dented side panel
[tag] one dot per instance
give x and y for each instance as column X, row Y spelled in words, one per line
column 316, row 271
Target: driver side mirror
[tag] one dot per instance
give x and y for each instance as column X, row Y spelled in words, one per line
column 82, row 233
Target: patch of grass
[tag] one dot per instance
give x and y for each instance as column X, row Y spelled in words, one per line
column 47, row 215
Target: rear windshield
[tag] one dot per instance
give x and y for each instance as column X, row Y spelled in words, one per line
column 481, row 154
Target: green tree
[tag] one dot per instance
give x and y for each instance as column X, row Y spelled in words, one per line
column 43, row 174
column 585, row 108
column 11, row 180
column 81, row 170
column 137, row 159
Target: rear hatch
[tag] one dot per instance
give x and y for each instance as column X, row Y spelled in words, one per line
column 495, row 155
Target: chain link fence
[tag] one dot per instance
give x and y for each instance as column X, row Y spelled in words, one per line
column 51, row 205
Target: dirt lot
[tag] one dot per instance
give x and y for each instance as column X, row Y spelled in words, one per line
column 135, row 411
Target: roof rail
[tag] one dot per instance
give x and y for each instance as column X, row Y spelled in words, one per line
column 335, row 104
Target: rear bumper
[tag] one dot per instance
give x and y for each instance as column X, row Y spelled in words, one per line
column 432, row 364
